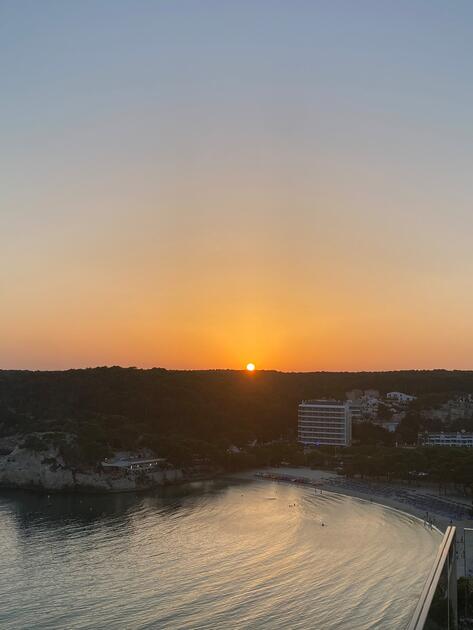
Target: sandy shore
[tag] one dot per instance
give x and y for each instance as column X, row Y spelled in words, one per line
column 323, row 480
column 376, row 492
column 395, row 496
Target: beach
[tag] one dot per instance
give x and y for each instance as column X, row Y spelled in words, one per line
column 418, row 501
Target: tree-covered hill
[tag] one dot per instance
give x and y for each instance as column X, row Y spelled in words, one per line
column 124, row 407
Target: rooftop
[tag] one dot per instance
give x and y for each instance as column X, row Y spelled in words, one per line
column 327, row 403
column 133, row 461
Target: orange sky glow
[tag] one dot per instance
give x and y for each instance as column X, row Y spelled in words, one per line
column 204, row 188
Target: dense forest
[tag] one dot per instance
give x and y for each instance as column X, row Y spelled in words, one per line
column 127, row 408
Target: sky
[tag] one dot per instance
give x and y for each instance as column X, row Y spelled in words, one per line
column 199, row 184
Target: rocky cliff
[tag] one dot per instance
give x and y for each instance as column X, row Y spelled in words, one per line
column 46, row 470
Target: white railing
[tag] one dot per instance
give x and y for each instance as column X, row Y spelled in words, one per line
column 441, row 584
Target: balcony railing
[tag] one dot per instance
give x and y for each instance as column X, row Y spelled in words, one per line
column 437, row 606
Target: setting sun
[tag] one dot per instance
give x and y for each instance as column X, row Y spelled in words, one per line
column 250, row 367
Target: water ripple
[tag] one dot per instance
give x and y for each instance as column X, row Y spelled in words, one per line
column 251, row 555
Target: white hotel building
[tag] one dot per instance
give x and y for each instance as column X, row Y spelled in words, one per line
column 324, row 422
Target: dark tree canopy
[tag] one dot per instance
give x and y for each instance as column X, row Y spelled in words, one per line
column 123, row 408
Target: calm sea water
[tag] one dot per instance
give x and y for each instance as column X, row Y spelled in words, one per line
column 245, row 555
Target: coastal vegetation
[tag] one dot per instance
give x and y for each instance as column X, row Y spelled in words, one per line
column 227, row 419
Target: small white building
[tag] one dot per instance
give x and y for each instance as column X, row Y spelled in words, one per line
column 400, row 397
column 364, row 405
column 134, row 463
column 460, row 439
column 389, row 425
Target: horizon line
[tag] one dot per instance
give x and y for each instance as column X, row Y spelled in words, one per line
column 243, row 370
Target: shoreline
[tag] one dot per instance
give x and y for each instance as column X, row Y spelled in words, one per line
column 391, row 505
column 322, row 480
column 331, row 482
column 100, row 491
column 371, row 492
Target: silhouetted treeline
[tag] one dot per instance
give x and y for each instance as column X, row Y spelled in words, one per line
column 128, row 407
